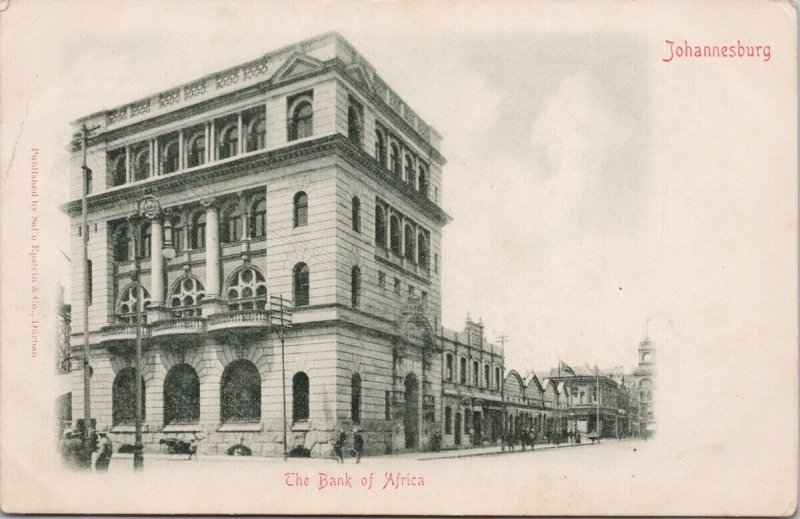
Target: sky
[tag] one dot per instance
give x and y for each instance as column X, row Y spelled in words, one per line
column 546, row 137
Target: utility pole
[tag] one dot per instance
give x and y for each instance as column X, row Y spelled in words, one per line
column 88, row 430
column 281, row 320
column 503, row 339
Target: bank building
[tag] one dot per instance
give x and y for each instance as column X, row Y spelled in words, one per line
column 299, row 175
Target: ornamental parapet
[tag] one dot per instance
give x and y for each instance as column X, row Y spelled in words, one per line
column 184, row 326
column 243, row 322
column 123, row 332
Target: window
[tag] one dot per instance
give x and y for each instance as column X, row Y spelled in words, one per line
column 449, row 367
column 301, row 285
column 486, row 376
column 394, row 234
column 299, row 397
column 241, row 392
column 356, row 214
column 300, row 209
column 247, row 290
column 448, row 419
column 301, row 118
column 258, row 219
column 169, row 157
column 355, row 286
column 178, row 237
column 462, row 370
column 467, row 421
column 256, row 131
column 144, row 240
column 394, row 160
column 381, row 280
column 355, row 398
column 380, row 226
column 196, row 151
column 119, row 175
column 410, row 291
column 354, row 122
column 123, row 398
column 424, row 252
column 380, row 148
column 181, row 395
column 228, row 141
column 126, row 306
column 497, row 378
column 387, row 405
column 411, row 176
column 397, row 286
column 231, row 225
column 198, row 237
column 476, row 372
column 410, row 252
column 122, row 243
column 186, row 297
column 89, row 279
column 141, row 168
column 423, row 181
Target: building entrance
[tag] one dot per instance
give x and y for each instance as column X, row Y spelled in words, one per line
column 457, row 429
column 477, row 434
column 410, row 417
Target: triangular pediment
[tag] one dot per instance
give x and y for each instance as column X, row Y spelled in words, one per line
column 296, row 65
column 358, row 74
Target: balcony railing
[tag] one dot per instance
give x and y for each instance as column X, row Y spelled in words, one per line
column 180, row 326
column 238, row 319
column 122, row 332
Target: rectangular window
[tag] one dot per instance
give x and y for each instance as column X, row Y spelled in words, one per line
column 381, row 279
column 387, row 402
column 88, row 181
column 463, row 370
column 410, row 291
column 476, row 372
column 449, row 367
column 397, row 286
column 448, row 418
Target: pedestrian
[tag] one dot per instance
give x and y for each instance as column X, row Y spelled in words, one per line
column 533, row 439
column 358, row 444
column 511, row 441
column 338, row 445
column 523, row 438
column 105, row 449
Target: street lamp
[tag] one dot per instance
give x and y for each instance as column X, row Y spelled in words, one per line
column 147, row 208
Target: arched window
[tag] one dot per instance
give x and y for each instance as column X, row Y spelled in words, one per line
column 122, row 242
column 196, row 151
column 141, row 169
column 123, row 398
column 301, row 120
column 257, row 134
column 394, row 235
column 119, row 173
column 186, row 297
column 241, row 392
column 181, row 395
column 230, row 225
column 247, row 290
column 198, row 230
column 424, row 251
column 169, row 157
column 462, row 375
column 356, row 214
column 229, row 141
column 497, row 378
column 423, row 180
column 380, row 226
column 258, row 219
column 487, row 375
column 300, row 209
column 380, row 148
column 476, row 373
column 144, row 241
column 410, row 252
column 299, row 397
column 301, row 285
column 355, row 398
column 355, row 286
column 126, row 305
column 449, row 367
column 394, row 160
column 411, row 176
column 354, row 125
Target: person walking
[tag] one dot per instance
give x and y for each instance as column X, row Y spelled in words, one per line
column 523, row 439
column 105, row 449
column 338, row 445
column 358, row 444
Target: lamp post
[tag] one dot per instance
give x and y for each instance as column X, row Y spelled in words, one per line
column 147, row 208
column 280, row 316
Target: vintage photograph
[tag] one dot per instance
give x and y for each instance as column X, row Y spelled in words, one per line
column 324, row 258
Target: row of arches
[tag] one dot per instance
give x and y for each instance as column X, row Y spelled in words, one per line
column 405, row 239
column 487, row 376
column 402, row 163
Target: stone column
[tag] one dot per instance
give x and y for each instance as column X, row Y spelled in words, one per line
column 156, row 310
column 212, row 303
column 240, row 135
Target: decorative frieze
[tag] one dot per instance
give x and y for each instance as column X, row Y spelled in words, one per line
column 116, row 116
column 169, row 98
column 140, row 108
column 194, row 89
column 259, row 68
column 227, row 78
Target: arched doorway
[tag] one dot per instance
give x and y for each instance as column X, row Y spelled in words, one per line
column 410, row 417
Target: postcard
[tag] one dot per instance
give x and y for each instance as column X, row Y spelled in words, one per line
column 399, row 258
